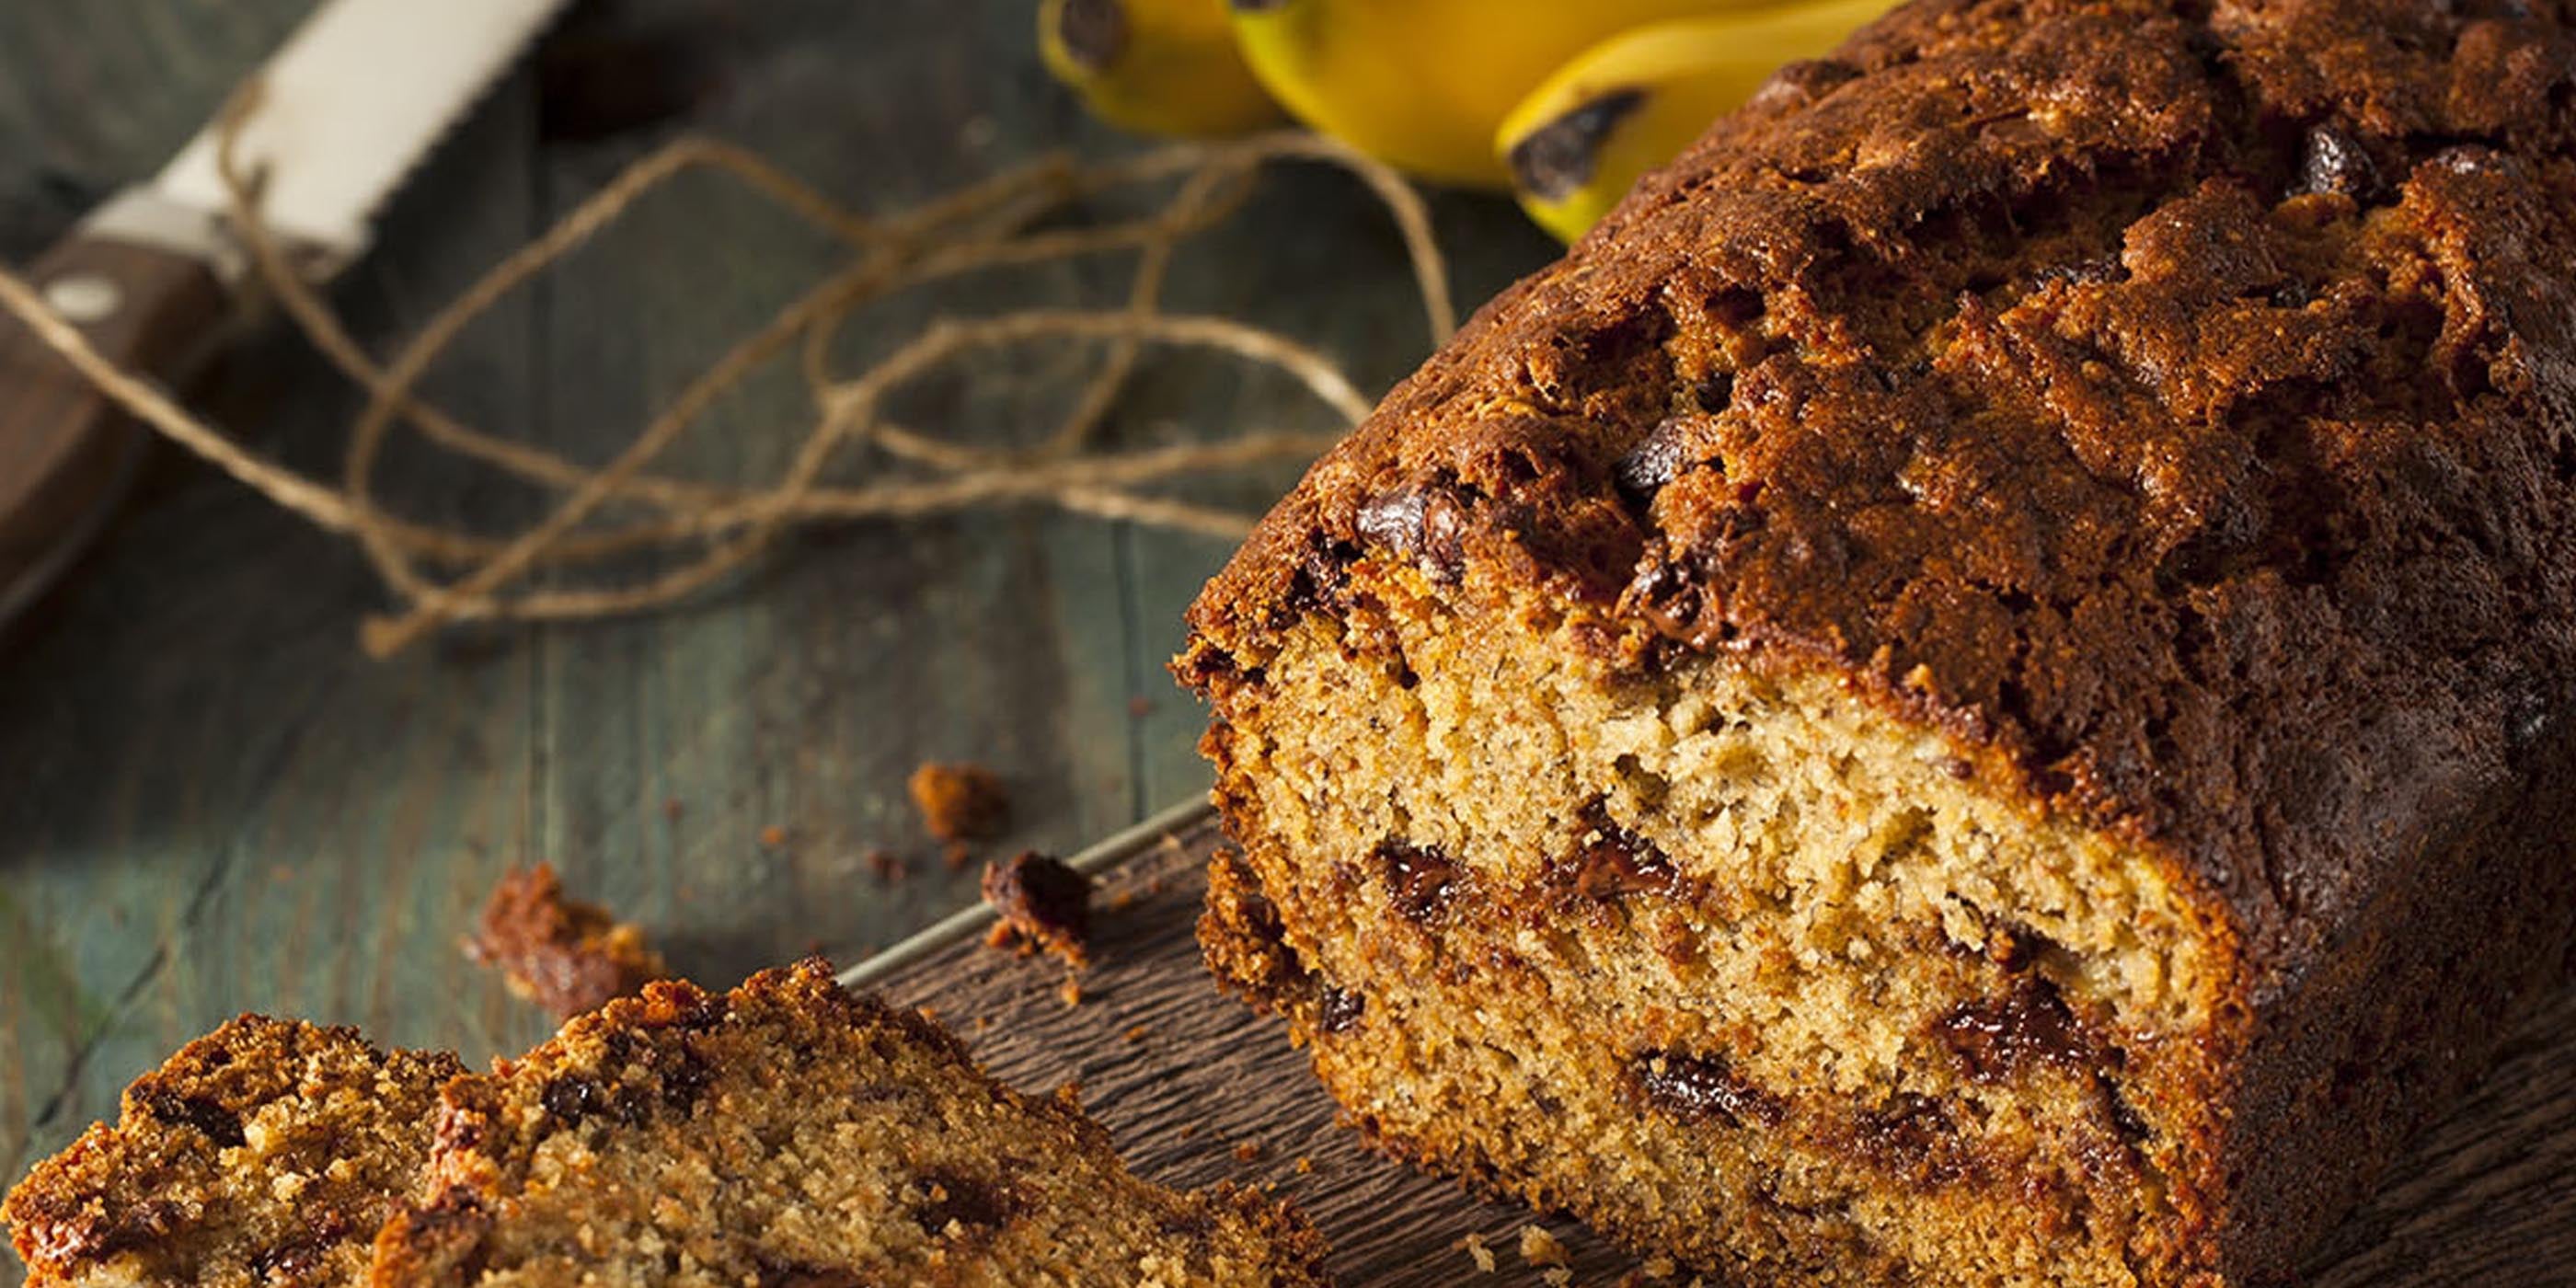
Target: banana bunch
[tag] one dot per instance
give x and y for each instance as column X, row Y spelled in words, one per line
column 1155, row 66
column 1566, row 102
column 1579, row 141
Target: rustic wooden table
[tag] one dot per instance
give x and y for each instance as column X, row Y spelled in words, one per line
column 210, row 801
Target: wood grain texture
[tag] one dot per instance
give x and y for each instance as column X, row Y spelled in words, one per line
column 1182, row 1076
column 210, row 802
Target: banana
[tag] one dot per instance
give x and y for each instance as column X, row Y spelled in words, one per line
column 1422, row 84
column 1633, row 102
column 1156, row 66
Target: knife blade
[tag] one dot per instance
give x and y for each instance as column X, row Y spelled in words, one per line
column 348, row 107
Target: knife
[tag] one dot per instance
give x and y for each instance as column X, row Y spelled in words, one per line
column 348, row 107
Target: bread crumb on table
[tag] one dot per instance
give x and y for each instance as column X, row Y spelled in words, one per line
column 1474, row 1246
column 1248, row 1151
column 1539, row 1248
column 884, row 865
column 563, row 954
column 960, row 802
column 1045, row 907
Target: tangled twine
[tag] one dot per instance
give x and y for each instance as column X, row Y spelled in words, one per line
column 985, row 225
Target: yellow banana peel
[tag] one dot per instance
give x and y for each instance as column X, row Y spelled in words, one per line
column 1631, row 103
column 1167, row 67
column 1423, row 84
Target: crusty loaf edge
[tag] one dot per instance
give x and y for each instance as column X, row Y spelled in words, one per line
column 2383, row 949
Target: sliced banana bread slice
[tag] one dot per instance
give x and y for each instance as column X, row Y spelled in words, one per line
column 791, row 1133
column 266, row 1153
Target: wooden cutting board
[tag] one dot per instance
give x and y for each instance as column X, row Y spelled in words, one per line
column 1195, row 1089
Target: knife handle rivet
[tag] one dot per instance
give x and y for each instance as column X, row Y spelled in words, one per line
column 85, row 298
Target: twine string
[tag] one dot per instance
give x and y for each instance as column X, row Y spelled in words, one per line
column 440, row 575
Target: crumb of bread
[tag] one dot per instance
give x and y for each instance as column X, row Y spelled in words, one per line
column 1539, row 1248
column 1045, row 907
column 559, row 952
column 1474, row 1244
column 883, row 865
column 960, row 802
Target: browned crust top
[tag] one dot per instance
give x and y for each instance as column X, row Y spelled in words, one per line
column 2174, row 401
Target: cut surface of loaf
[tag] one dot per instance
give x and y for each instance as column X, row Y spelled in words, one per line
column 263, row 1155
column 1975, row 688
column 791, row 1133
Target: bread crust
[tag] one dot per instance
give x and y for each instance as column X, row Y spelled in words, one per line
column 2174, row 405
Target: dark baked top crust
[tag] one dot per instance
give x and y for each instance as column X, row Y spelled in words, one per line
column 2176, row 403
column 264, row 1153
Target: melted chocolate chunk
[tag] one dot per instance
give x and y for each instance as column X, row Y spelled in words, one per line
column 1427, row 523
column 1420, row 880
column 686, row 1080
column 1911, row 1135
column 220, row 1125
column 2332, row 161
column 571, row 1099
column 1617, row 863
column 1697, row 1088
column 963, row 1201
column 1996, row 1037
column 799, row 1275
column 1657, row 458
column 297, row 1259
column 1337, row 1010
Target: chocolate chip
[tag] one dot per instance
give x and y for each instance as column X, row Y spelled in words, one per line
column 798, row 1275
column 2083, row 272
column 950, row 1198
column 1427, row 523
column 571, row 1099
column 686, row 1080
column 2333, row 161
column 1995, row 1037
column 1393, row 519
column 1701, row 1088
column 2526, row 721
column 1913, row 1135
column 218, row 1124
column 1616, row 863
column 1656, row 459
column 1323, row 573
column 298, row 1259
column 1419, row 879
column 1338, row 1010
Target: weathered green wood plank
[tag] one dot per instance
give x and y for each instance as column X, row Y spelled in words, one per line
column 211, row 802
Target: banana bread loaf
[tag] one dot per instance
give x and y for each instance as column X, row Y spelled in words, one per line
column 262, row 1155
column 1974, row 689
column 792, row 1134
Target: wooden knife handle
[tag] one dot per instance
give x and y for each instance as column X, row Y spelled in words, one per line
column 64, row 448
